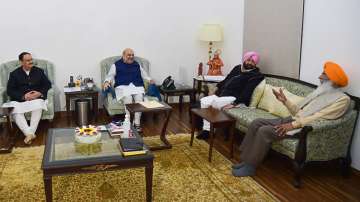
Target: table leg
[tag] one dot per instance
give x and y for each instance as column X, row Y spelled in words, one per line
column 67, row 108
column 95, row 106
column 180, row 102
column 131, row 117
column 192, row 128
column 48, row 188
column 7, row 142
column 212, row 137
column 167, row 144
column 149, row 176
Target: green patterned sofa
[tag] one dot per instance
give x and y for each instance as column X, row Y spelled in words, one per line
column 322, row 140
column 112, row 106
column 48, row 68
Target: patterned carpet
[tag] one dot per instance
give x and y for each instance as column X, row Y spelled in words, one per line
column 180, row 174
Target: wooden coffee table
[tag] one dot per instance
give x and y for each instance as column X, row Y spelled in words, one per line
column 136, row 107
column 217, row 119
column 62, row 157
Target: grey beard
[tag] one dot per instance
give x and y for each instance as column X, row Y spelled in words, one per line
column 325, row 87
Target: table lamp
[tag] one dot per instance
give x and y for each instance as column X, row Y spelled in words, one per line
column 211, row 33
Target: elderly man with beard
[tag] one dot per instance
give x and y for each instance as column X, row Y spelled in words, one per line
column 235, row 89
column 326, row 102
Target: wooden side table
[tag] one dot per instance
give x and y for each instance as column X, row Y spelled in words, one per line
column 136, row 107
column 93, row 94
column 8, row 134
column 181, row 90
column 198, row 84
column 217, row 119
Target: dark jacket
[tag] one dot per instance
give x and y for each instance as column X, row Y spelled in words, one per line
column 240, row 84
column 20, row 83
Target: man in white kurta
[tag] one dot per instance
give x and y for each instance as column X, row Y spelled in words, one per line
column 27, row 88
column 127, row 77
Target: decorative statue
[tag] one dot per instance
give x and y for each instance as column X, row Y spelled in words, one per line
column 200, row 69
column 215, row 64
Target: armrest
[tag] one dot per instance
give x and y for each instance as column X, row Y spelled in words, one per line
column 51, row 92
column 323, row 124
column 2, row 95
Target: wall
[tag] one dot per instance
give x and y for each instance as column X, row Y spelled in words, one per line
column 76, row 35
column 273, row 28
column 332, row 32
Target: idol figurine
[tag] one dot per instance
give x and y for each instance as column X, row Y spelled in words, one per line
column 215, row 64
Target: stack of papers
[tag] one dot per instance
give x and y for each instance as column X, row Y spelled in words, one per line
column 71, row 89
column 151, row 104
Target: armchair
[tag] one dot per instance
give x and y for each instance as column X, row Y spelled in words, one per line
column 48, row 67
column 112, row 106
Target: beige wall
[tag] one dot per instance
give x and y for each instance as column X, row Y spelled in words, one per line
column 273, row 28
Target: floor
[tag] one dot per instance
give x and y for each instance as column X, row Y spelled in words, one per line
column 321, row 182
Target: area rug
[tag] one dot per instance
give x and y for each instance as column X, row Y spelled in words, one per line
column 182, row 173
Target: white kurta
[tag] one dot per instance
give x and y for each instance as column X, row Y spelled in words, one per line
column 27, row 106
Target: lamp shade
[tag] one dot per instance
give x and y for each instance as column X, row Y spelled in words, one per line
column 211, row 32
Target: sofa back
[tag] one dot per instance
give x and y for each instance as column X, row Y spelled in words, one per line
column 106, row 63
column 294, row 86
column 302, row 88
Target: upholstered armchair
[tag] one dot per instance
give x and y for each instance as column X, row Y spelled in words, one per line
column 48, row 67
column 112, row 106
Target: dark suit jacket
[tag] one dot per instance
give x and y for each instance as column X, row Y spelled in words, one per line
column 20, row 83
column 240, row 84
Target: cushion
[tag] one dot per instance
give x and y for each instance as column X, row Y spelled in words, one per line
column 257, row 94
column 269, row 102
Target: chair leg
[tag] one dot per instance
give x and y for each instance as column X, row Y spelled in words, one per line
column 298, row 169
column 345, row 166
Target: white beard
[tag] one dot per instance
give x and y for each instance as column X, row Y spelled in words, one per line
column 325, row 87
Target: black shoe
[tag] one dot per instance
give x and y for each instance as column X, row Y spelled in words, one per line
column 203, row 135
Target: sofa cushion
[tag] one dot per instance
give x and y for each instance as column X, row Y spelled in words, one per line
column 269, row 102
column 257, row 94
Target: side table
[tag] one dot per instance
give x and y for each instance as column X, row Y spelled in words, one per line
column 8, row 135
column 181, row 90
column 217, row 119
column 93, row 94
column 198, row 84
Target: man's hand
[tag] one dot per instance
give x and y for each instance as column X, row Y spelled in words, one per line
column 152, row 81
column 106, row 85
column 280, row 95
column 282, row 129
column 32, row 95
column 28, row 96
column 228, row 106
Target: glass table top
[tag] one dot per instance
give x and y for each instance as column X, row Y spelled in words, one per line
column 63, row 146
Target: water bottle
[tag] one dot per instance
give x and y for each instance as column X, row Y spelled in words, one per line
column 126, row 125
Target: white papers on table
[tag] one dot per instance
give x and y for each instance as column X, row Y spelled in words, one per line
column 71, row 89
column 131, row 89
column 151, row 104
column 213, row 78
